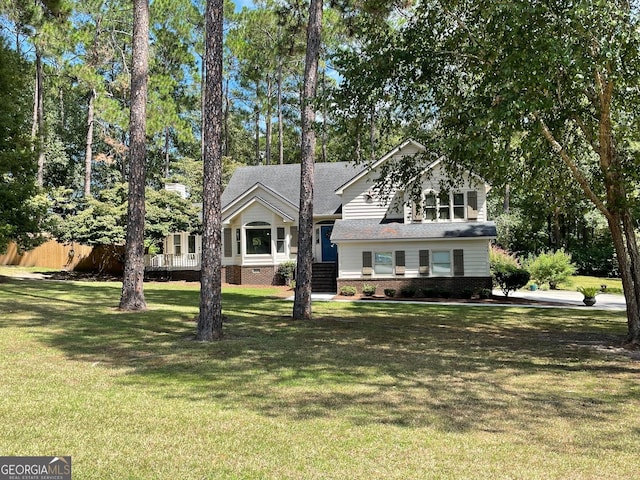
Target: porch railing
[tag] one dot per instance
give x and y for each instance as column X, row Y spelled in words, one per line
column 170, row 261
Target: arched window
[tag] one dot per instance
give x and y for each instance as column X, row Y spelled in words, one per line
column 258, row 238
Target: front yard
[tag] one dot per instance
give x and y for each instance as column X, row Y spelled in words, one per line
column 365, row 391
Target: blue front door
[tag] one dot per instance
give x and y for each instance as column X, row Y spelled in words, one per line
column 329, row 250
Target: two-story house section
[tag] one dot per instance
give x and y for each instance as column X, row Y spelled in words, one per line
column 442, row 243
column 357, row 238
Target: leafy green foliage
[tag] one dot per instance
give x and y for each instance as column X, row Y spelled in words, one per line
column 510, row 278
column 550, row 267
column 101, row 220
column 21, row 210
column 286, row 270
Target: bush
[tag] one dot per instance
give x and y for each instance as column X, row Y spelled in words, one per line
column 390, row 292
column 348, row 290
column 500, row 259
column 369, row 289
column 407, row 292
column 551, row 268
column 286, row 271
column 510, row 278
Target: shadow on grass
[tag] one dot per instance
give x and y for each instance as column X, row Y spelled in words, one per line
column 452, row 368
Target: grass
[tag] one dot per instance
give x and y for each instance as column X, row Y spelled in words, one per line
column 364, row 391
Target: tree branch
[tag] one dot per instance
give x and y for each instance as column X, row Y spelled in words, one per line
column 568, row 161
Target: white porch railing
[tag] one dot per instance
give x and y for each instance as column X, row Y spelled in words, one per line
column 170, row 261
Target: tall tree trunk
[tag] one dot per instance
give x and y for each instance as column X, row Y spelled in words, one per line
column 372, row 132
column 227, row 106
column 210, row 318
column 132, row 297
column 40, row 115
column 267, row 121
column 167, row 158
column 257, row 125
column 323, row 138
column 88, row 155
column 507, row 200
column 280, row 116
column 302, row 301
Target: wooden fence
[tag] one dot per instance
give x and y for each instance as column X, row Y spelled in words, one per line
column 52, row 254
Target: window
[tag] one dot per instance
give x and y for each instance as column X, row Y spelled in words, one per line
column 177, row 245
column 191, row 247
column 280, row 240
column 430, row 212
column 458, row 206
column 238, row 244
column 383, row 263
column 258, row 238
column 441, row 263
column 444, row 212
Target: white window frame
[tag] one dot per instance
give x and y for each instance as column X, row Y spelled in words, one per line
column 436, row 263
column 380, row 264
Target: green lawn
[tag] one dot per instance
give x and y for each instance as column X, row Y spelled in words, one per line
column 365, row 391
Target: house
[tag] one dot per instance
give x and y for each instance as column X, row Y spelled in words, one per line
column 358, row 238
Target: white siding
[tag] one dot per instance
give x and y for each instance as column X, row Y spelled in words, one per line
column 358, row 201
column 476, row 256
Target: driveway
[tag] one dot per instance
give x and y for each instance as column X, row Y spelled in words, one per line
column 604, row 301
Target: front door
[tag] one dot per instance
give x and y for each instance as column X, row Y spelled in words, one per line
column 329, row 250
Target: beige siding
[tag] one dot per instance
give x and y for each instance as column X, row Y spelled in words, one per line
column 476, row 256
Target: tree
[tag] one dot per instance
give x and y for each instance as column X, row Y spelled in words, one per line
column 210, row 318
column 132, row 297
column 302, row 301
column 21, row 212
column 505, row 89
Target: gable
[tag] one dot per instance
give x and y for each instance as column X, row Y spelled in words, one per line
column 283, row 181
column 267, row 199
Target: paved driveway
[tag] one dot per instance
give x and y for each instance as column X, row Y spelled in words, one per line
column 604, row 301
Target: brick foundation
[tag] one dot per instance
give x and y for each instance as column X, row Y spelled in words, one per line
column 254, row 275
column 455, row 286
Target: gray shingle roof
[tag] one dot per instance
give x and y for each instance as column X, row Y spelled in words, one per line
column 371, row 229
column 285, row 180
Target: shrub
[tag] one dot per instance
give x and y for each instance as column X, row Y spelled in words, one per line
column 348, row 290
column 500, row 259
column 369, row 289
column 551, row 268
column 286, row 271
column 510, row 278
column 407, row 292
column 390, row 292
column 486, row 293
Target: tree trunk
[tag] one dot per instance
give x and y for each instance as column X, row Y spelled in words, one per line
column 267, row 121
column 227, row 105
column 88, row 156
column 302, row 301
column 167, row 158
column 280, row 116
column 132, row 283
column 323, row 138
column 39, row 99
column 210, row 318
column 257, row 126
